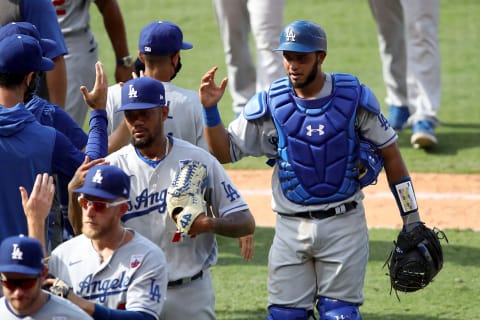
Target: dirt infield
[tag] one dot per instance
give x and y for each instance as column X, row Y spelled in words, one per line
column 445, row 201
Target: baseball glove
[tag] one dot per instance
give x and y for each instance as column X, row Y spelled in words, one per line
column 416, row 259
column 60, row 288
column 185, row 195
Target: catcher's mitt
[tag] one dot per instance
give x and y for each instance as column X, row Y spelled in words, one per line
column 185, row 195
column 60, row 288
column 416, row 258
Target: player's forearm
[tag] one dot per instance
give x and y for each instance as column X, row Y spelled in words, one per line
column 218, row 143
column 57, row 82
column 36, row 229
column 395, row 168
column 401, row 185
column 114, row 25
column 75, row 213
column 235, row 225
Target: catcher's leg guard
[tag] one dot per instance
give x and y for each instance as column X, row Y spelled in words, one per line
column 331, row 309
column 276, row 312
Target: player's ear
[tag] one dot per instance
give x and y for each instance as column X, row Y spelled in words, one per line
column 165, row 110
column 321, row 56
column 140, row 57
column 29, row 78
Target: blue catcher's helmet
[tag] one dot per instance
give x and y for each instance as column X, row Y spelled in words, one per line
column 302, row 36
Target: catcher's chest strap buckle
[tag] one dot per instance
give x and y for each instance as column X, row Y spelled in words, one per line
column 185, row 280
column 323, row 214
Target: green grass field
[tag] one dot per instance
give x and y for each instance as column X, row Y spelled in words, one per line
column 240, row 286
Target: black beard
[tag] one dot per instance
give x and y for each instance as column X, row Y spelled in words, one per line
column 143, row 144
column 178, row 67
column 310, row 78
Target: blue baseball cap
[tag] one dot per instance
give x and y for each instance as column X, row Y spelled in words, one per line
column 142, row 93
column 106, row 182
column 162, row 38
column 26, row 28
column 21, row 54
column 20, row 254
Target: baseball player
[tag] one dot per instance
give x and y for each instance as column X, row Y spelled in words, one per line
column 312, row 125
column 264, row 18
column 51, row 115
column 152, row 160
column 25, row 143
column 22, row 275
column 410, row 55
column 42, row 14
column 159, row 48
column 74, row 19
column 110, row 271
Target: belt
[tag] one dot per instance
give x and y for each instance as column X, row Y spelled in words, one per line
column 323, row 214
column 185, row 280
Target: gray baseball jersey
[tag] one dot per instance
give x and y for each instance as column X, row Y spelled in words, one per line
column 56, row 308
column 147, row 211
column 184, row 118
column 134, row 278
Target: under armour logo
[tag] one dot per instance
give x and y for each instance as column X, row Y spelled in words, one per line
column 97, row 178
column 17, row 254
column 311, row 130
column 132, row 93
column 290, row 35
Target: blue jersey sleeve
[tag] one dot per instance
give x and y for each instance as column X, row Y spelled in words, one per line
column 42, row 14
column 97, row 145
column 102, row 312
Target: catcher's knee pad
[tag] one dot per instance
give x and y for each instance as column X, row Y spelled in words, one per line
column 331, row 309
column 276, row 312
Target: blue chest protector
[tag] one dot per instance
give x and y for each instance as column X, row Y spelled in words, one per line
column 317, row 146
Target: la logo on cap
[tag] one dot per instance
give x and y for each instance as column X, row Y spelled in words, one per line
column 97, row 178
column 132, row 93
column 17, row 254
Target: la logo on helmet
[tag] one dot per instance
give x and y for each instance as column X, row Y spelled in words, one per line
column 290, row 35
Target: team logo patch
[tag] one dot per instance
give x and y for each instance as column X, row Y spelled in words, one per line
column 136, row 260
